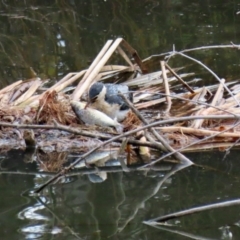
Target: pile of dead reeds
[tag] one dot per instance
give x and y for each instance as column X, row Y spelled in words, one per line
column 193, row 119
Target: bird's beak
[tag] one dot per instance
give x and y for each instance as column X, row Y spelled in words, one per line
column 90, row 101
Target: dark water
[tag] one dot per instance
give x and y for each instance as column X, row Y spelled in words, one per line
column 56, row 37
column 116, row 208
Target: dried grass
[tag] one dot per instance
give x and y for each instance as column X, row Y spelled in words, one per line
column 131, row 122
column 52, row 109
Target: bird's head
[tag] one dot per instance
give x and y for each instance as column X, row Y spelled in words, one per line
column 96, row 93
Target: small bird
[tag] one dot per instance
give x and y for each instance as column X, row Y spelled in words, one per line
column 105, row 98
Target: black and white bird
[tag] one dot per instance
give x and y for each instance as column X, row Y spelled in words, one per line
column 105, row 98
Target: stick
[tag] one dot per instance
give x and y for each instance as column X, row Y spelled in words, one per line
column 189, row 145
column 88, row 134
column 162, row 141
column 157, row 101
column 179, row 78
column 195, row 210
column 84, row 133
column 65, row 78
column 199, row 132
column 34, row 86
column 96, row 61
column 166, row 86
column 125, row 57
column 135, row 56
column 10, row 87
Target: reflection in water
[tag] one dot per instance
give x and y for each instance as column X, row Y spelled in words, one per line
column 30, row 213
column 57, row 37
column 226, row 232
column 148, row 194
column 106, row 210
column 116, row 208
column 182, row 233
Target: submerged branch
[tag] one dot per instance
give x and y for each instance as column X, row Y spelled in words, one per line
column 194, row 210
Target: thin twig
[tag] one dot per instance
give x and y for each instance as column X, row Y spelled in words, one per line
column 166, row 86
column 199, row 132
column 62, row 172
column 195, row 49
column 179, row 78
column 209, row 70
column 154, row 124
column 160, row 100
column 202, row 103
column 88, row 134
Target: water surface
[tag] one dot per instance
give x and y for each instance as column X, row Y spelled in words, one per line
column 54, row 38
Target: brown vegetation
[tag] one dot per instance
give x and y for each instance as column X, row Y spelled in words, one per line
column 215, row 108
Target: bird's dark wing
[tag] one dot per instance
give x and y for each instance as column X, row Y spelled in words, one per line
column 114, row 89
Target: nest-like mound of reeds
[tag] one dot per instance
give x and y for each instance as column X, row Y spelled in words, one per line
column 191, row 119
